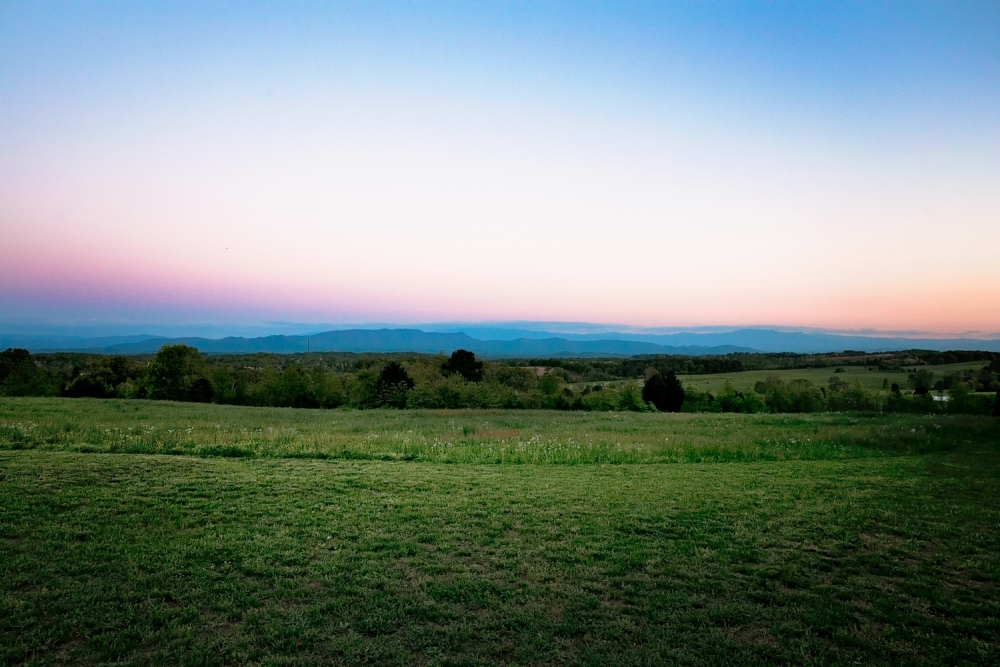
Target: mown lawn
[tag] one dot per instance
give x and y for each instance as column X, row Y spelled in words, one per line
column 888, row 554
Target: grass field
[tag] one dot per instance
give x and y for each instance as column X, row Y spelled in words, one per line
column 818, row 376
column 160, row 534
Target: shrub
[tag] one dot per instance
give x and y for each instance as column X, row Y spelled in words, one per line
column 697, row 401
column 630, row 398
column 857, row 398
column 730, row 400
column 601, row 400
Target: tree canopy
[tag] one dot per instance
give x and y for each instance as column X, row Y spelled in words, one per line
column 465, row 364
column 664, row 391
column 175, row 373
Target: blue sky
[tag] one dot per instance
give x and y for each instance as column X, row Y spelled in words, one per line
column 689, row 164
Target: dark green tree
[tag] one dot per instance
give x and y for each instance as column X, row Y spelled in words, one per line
column 201, row 391
column 17, row 370
column 102, row 377
column 174, row 374
column 921, row 381
column 664, row 391
column 393, row 384
column 21, row 376
column 465, row 364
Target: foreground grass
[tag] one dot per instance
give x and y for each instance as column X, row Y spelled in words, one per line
column 177, row 560
column 472, row 436
column 827, row 539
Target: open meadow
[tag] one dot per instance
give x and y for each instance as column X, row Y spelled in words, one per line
column 159, row 533
column 873, row 380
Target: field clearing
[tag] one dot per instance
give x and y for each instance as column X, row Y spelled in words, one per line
column 872, row 380
column 467, row 436
column 857, row 540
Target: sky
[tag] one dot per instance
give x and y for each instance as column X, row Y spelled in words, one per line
column 813, row 165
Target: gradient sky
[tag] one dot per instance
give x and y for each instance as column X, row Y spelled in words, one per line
column 800, row 164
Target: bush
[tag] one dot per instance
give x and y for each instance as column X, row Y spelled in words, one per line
column 857, row 398
column 697, row 401
column 795, row 396
column 602, row 400
column 630, row 398
column 730, row 400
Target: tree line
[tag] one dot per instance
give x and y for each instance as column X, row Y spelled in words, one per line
column 591, row 370
column 181, row 373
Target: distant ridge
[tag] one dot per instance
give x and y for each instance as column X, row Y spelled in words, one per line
column 389, row 340
column 511, row 342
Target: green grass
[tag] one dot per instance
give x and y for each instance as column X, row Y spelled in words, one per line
column 468, row 436
column 885, row 553
column 872, row 380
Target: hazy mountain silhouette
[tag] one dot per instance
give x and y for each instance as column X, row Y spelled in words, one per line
column 508, row 343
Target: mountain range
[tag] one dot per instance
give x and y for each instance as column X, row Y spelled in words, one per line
column 509, row 343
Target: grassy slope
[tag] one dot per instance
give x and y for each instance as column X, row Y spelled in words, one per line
column 884, row 559
column 468, row 436
column 818, row 376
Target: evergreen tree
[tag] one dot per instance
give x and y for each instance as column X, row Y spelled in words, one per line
column 392, row 385
column 465, row 364
column 664, row 391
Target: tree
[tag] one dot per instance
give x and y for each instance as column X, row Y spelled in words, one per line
column 465, row 364
column 17, row 370
column 21, row 376
column 551, row 384
column 838, row 385
column 393, row 384
column 174, row 373
column 921, row 381
column 515, row 377
column 102, row 377
column 200, row 391
column 664, row 391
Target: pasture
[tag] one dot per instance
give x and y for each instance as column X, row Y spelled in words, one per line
column 148, row 533
column 874, row 379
